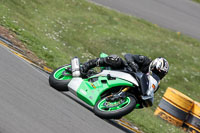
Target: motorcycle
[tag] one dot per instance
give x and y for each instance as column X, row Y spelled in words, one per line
column 111, row 93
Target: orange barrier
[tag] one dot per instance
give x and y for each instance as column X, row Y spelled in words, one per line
column 174, row 107
column 193, row 120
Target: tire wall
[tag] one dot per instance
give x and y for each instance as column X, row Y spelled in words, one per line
column 193, row 120
column 179, row 110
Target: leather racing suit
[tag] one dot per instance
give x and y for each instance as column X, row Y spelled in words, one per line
column 135, row 62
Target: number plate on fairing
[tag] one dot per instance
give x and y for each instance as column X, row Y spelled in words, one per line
column 74, row 84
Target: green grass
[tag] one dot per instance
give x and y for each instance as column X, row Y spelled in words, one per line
column 197, row 1
column 155, row 125
column 59, row 30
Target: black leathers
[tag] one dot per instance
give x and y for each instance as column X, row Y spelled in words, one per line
column 136, row 62
column 112, row 61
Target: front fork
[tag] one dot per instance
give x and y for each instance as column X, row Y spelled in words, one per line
column 121, row 95
column 117, row 96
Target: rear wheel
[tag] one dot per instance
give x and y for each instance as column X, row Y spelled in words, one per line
column 59, row 78
column 115, row 109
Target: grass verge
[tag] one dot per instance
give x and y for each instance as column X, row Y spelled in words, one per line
column 197, row 1
column 59, row 30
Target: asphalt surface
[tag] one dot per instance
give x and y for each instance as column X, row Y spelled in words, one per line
column 178, row 15
column 29, row 105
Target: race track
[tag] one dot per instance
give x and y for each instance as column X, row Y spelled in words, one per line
column 29, row 105
column 178, row 15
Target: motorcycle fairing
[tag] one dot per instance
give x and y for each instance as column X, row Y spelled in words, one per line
column 90, row 92
column 118, row 74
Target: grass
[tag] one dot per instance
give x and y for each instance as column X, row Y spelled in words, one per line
column 197, row 1
column 59, row 30
column 155, row 124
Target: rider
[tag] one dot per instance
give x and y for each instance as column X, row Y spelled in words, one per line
column 159, row 66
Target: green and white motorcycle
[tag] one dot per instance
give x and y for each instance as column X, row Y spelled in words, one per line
column 112, row 93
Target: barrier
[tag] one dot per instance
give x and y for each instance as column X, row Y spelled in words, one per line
column 168, row 117
column 174, row 107
column 193, row 120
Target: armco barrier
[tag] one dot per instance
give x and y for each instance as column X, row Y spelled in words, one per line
column 180, row 110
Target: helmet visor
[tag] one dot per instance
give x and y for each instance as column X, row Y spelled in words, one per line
column 159, row 73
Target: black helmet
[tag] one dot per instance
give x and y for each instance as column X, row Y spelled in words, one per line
column 159, row 66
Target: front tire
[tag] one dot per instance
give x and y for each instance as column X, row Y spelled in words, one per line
column 59, row 81
column 118, row 110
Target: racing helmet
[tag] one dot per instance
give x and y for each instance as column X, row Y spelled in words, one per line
column 159, row 66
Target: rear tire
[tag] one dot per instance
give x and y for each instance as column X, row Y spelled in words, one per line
column 115, row 114
column 58, row 81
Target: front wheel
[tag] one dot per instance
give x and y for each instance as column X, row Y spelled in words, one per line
column 115, row 109
column 59, row 78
